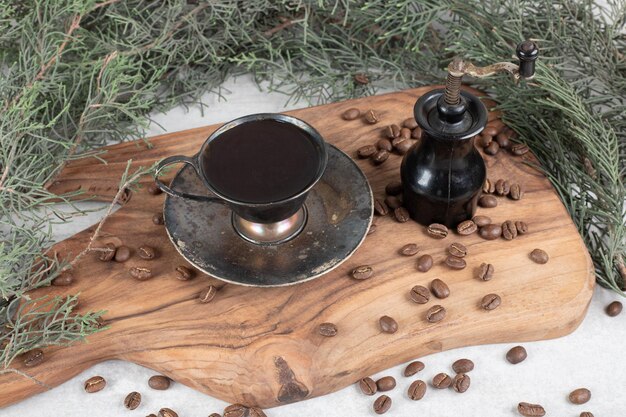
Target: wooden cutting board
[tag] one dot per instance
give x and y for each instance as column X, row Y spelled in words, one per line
column 261, row 346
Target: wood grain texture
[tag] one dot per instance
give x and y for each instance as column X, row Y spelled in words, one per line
column 261, row 346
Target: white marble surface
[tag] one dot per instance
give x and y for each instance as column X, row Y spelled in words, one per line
column 594, row 356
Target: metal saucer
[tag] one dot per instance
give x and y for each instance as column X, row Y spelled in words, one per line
column 340, row 209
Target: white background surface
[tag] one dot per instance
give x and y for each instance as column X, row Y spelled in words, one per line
column 594, row 356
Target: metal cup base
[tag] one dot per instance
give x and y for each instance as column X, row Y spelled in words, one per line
column 271, row 233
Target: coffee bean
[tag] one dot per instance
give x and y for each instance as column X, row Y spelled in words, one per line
column 328, row 329
column 490, row 130
column 146, row 252
column 580, row 396
column 368, row 386
column 484, row 140
column 531, row 410
column 420, row 294
column 402, row 145
column 489, row 187
column 413, row 368
column 409, row 249
column 140, row 273
column 466, row 228
column 380, row 156
column 485, row 272
column 586, row 414
column 463, row 366
column 362, row 272
column 490, row 302
column 393, row 202
column 503, row 140
column 490, row 232
column 381, row 405
column 410, row 123
column 442, row 381
column 132, row 400
column 33, row 358
column 457, row 249
column 167, row 412
column 522, row 227
column 64, row 279
column 437, row 231
column 95, row 384
column 539, row 256
column 351, row 114
column 502, row 187
column 481, row 220
column 361, row 79
column 255, row 412
column 380, row 207
column 387, row 325
column 516, row 192
column 122, row 254
column 614, row 309
column 417, row 390
column 424, row 263
column 386, row 383
column 207, row 294
column 108, row 253
column 487, row 201
column 402, row 215
column 392, row 132
column 157, row 219
column 384, row 144
column 235, row 410
column 516, row 355
column 366, row 151
column 183, row 273
column 509, row 230
column 417, row 133
column 393, row 188
column 519, row 149
column 455, row 262
column 159, row 382
column 461, row 383
column 493, row 148
column 371, row 117
column 435, row 314
column 405, row 133
column 154, row 189
column 439, row 288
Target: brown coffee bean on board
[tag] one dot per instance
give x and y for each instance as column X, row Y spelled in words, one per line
column 439, row 288
column 380, row 207
column 485, row 271
column 509, row 231
column 388, row 325
column 405, row 133
column 531, row 410
column 484, row 140
column 539, row 256
column 108, row 253
column 183, row 273
column 420, row 294
column 393, row 188
column 489, row 187
column 455, row 262
column 481, row 220
column 392, row 132
column 413, row 368
column 33, row 358
column 371, row 117
column 402, row 215
column 368, row 386
column 614, row 309
column 503, row 140
column 159, row 382
column 490, row 232
column 586, row 414
column 410, row 123
column 167, row 412
column 327, row 329
column 466, row 228
column 442, row 381
column 393, row 202
column 235, row 410
column 493, row 148
column 132, row 400
column 490, row 130
column 95, row 384
column 64, row 279
column 402, row 145
column 410, row 249
column 580, row 396
column 435, row 314
column 490, row 302
column 146, row 252
column 381, row 405
column 351, row 114
column 386, row 383
column 516, row 355
column 519, row 149
column 140, row 273
column 122, row 254
column 207, row 294
column 417, row 133
column 457, row 249
column 154, row 189
column 437, row 231
column 384, row 144
column 463, row 366
column 157, row 218
column 522, row 227
column 417, row 390
column 488, row 201
column 502, row 187
column 366, row 151
column 380, row 156
column 516, row 192
column 255, row 412
column 461, row 383
column 362, row 272
column 424, row 263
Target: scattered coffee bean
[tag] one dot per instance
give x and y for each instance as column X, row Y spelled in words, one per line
column 402, row 145
column 503, row 140
column 457, row 249
column 108, row 253
column 417, row 390
column 368, row 386
column 466, row 228
column 351, row 114
column 366, row 151
column 420, row 294
column 522, row 227
column 159, row 382
column 183, row 273
column 64, row 279
column 539, row 256
column 167, row 412
column 437, row 231
column 393, row 202
column 122, row 254
column 586, row 414
column 410, row 249
column 531, row 410
column 461, row 383
column 502, row 187
column 516, row 192
column 413, row 368
column 580, row 396
column 380, row 156
column 362, row 79
column 140, row 273
column 489, row 187
column 509, row 230
column 371, row 117
column 33, row 358
column 417, row 133
column 380, row 207
column 157, row 219
column 487, row 201
column 405, row 133
column 132, row 400
column 490, row 130
column 386, row 383
column 435, row 314
column 384, row 144
column 392, row 132
column 490, row 232
column 519, row 149
column 328, row 329
column 410, row 123
column 381, row 405
column 424, row 263
column 463, row 366
column 482, row 220
column 455, row 262
column 256, row 412
column 95, row 384
column 493, row 148
column 207, row 294
column 614, row 309
column 439, row 288
column 490, row 302
column 388, row 325
column 442, row 381
column 154, row 189
column 485, row 272
column 362, row 272
column 402, row 215
column 146, row 252
column 235, row 410
column 516, row 355
column 484, row 140
column 393, row 188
